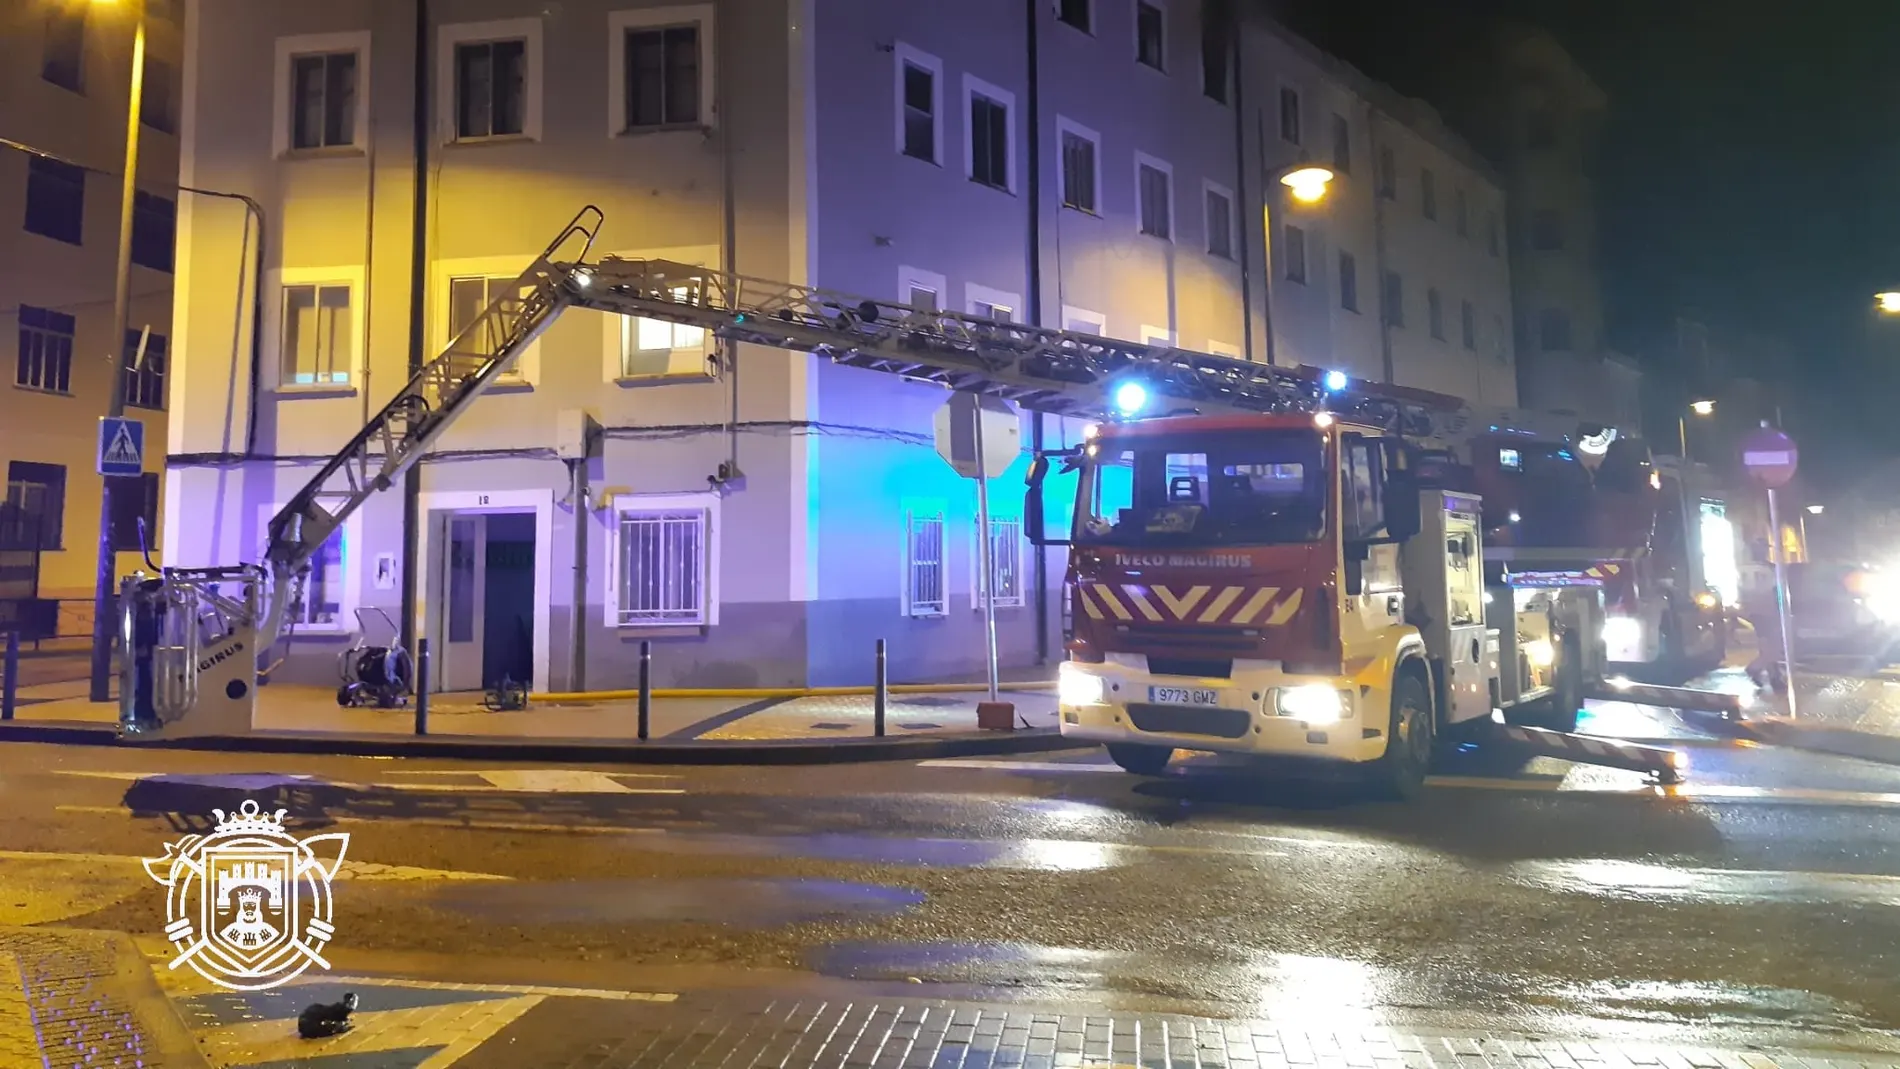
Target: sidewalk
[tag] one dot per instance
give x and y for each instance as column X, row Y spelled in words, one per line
column 80, row 998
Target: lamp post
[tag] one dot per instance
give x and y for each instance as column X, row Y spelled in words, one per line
column 1307, row 184
column 107, row 576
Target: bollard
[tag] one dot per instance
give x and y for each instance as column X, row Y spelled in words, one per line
column 879, row 691
column 422, row 686
column 10, row 676
column 646, row 687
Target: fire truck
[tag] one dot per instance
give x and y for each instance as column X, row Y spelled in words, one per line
column 1360, row 579
column 1297, row 570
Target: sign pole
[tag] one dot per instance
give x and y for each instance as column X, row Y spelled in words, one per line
column 1779, row 553
column 985, row 551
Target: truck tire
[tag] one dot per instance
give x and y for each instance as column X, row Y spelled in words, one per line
column 1141, row 760
column 1557, row 712
column 1399, row 773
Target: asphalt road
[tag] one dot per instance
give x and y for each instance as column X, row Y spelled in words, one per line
column 1755, row 905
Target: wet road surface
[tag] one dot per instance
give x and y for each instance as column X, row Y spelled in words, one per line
column 1758, row 904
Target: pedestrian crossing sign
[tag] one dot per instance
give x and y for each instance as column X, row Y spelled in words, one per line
column 121, row 446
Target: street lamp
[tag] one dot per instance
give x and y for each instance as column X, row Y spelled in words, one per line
column 1306, row 183
column 1887, row 303
column 106, row 579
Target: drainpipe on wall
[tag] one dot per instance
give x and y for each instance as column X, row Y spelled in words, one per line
column 1040, row 565
column 1240, row 188
column 729, row 250
column 418, row 281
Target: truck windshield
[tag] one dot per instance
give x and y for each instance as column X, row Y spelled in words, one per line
column 1222, row 488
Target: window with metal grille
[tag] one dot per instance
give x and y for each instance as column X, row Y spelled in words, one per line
column 317, row 334
column 491, row 89
column 45, row 358
column 154, row 231
column 647, row 346
column 145, row 372
column 923, row 564
column 323, row 101
column 989, row 141
column 1150, row 36
column 1079, row 180
column 35, row 489
column 1156, row 202
column 55, row 200
column 663, row 77
column 62, row 61
column 1006, row 563
column 662, row 569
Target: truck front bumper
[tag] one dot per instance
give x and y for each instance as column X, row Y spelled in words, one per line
column 1259, row 710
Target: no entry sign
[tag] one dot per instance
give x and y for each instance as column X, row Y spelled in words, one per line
column 1769, row 457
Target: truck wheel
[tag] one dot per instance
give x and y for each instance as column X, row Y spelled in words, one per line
column 1400, row 772
column 1558, row 712
column 1141, row 760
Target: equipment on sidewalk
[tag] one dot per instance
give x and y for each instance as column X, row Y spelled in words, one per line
column 382, row 676
column 1339, row 476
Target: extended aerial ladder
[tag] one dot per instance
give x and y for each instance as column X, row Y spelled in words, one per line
column 196, row 659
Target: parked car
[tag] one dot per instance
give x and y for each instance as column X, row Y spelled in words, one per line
column 1841, row 609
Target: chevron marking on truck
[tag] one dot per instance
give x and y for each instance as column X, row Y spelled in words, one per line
column 1100, row 600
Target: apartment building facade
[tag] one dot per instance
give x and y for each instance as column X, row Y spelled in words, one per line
column 760, row 517
column 66, row 80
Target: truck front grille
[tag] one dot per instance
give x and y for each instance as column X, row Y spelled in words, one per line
column 1182, row 720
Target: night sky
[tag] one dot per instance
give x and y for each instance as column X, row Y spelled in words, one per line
column 1749, row 175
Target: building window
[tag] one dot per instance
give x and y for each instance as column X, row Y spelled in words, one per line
column 322, row 603
column 1388, row 173
column 1428, row 194
column 145, row 374
column 1461, row 213
column 1393, row 300
column 1342, row 145
column 1553, row 330
column 1540, row 130
column 1006, row 564
column 1435, row 314
column 323, row 101
column 648, row 347
column 1076, row 13
column 134, row 501
column 45, row 359
column 923, row 563
column 1348, row 282
column 1081, row 167
column 1499, row 338
column 1547, row 230
column 158, row 108
column 990, row 130
column 63, row 58
column 1492, row 236
column 469, row 298
column 663, row 70
column 1154, row 190
column 154, row 231
column 1293, row 250
column 1289, row 115
column 1468, row 325
column 1083, row 321
column 55, row 200
column 317, row 334
column 662, row 569
column 1150, row 35
column 986, row 310
column 920, row 100
column 39, row 490
column 1220, row 222
column 922, row 298
column 491, row 89
column 1216, row 57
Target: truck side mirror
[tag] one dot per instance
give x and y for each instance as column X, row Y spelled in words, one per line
column 1033, row 523
column 1402, row 517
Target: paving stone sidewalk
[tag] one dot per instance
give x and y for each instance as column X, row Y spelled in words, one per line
column 78, row 998
column 563, row 1033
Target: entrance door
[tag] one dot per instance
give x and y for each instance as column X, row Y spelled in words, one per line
column 464, row 602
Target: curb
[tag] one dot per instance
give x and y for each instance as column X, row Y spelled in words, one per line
column 100, row 990
column 584, row 697
column 1797, row 735
column 591, row 751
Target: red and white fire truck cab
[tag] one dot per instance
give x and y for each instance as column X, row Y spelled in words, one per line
column 1295, row 585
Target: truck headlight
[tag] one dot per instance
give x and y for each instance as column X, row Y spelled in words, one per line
column 1077, row 687
column 1622, row 633
column 1314, row 703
